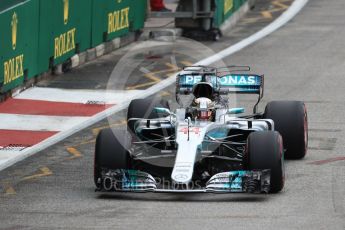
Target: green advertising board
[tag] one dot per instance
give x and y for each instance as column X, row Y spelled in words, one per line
column 19, row 43
column 110, row 19
column 37, row 35
column 7, row 4
column 139, row 9
column 224, row 9
column 64, row 30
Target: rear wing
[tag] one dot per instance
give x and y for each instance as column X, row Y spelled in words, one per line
column 241, row 83
column 222, row 83
column 233, row 83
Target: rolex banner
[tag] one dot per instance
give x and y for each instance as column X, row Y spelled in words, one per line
column 113, row 19
column 37, row 35
column 225, row 9
column 18, row 44
column 65, row 29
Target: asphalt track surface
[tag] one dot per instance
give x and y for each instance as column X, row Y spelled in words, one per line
column 304, row 60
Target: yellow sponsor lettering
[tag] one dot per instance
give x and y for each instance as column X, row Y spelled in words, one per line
column 122, row 19
column 17, row 66
column 6, row 74
column 57, row 50
column 110, row 22
column 62, row 39
column 72, row 36
column 118, row 20
column 68, row 42
column 13, row 69
column 64, row 43
column 228, row 5
column 21, row 67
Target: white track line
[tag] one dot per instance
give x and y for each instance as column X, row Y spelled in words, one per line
column 5, row 155
column 293, row 10
column 76, row 95
column 23, row 122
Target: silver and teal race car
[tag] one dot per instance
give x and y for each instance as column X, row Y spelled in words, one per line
column 205, row 145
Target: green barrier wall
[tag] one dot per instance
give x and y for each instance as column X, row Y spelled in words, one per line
column 139, row 8
column 224, row 9
column 6, row 4
column 36, row 35
column 39, row 34
column 19, row 43
column 112, row 19
column 238, row 4
column 65, row 29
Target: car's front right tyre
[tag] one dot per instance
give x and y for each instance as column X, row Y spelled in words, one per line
column 144, row 109
column 264, row 150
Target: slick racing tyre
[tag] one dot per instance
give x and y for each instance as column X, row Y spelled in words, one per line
column 143, row 108
column 111, row 151
column 291, row 121
column 264, row 150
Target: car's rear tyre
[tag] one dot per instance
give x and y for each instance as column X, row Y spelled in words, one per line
column 291, row 121
column 264, row 150
column 111, row 151
column 143, row 108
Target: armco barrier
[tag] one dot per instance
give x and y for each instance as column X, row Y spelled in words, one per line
column 65, row 29
column 112, row 19
column 19, row 42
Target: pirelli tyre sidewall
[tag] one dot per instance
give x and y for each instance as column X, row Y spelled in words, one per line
column 291, row 121
column 143, row 108
column 264, row 150
column 111, row 151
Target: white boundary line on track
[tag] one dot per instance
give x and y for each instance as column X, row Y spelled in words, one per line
column 293, row 10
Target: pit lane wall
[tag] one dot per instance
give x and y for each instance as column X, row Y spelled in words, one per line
column 37, row 35
column 225, row 9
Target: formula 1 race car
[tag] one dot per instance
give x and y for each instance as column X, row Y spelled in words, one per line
column 205, row 146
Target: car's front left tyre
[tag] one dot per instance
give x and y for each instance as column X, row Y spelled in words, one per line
column 111, row 152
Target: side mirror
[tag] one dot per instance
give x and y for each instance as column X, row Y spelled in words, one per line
column 162, row 111
column 236, row 111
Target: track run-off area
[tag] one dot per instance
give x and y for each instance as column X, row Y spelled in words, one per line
column 302, row 59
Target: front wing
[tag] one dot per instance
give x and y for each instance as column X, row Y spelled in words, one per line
column 256, row 181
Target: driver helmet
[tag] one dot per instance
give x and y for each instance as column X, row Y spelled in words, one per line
column 204, row 108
